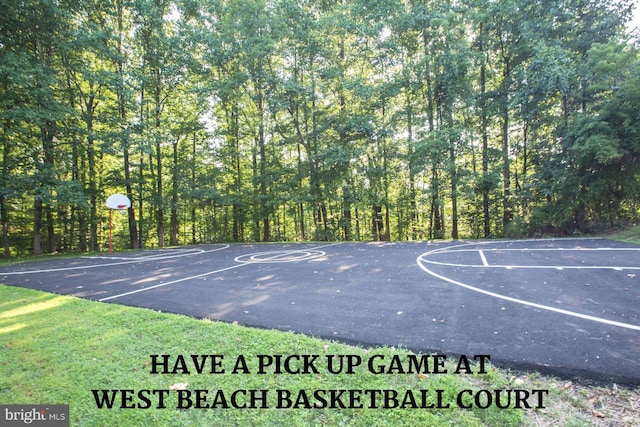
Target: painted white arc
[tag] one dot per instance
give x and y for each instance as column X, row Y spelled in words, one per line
column 208, row 273
column 456, row 249
column 422, row 261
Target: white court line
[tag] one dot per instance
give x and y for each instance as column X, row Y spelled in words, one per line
column 159, row 253
column 170, row 253
column 535, row 267
column 280, row 256
column 208, row 273
column 484, row 258
column 577, row 249
column 485, row 264
column 422, row 259
column 172, row 282
column 111, row 264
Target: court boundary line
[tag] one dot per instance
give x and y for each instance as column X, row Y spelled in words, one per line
column 208, row 273
column 160, row 285
column 485, row 263
column 154, row 253
column 111, row 264
column 420, row 259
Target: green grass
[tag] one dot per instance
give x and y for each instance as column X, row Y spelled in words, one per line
column 630, row 235
column 55, row 349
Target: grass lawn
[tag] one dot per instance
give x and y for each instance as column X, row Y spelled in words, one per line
column 630, row 235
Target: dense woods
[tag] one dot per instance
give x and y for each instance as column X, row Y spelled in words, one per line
column 272, row 120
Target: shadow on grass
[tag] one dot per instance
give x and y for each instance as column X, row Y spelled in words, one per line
column 57, row 349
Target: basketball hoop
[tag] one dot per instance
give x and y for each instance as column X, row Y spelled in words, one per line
column 117, row 202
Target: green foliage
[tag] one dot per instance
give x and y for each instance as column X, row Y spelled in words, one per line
column 256, row 120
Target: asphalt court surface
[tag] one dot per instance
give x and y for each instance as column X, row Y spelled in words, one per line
column 569, row 307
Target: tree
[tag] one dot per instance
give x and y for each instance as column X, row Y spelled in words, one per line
column 291, row 119
column 33, row 39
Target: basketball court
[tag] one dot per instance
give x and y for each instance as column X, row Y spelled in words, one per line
column 569, row 307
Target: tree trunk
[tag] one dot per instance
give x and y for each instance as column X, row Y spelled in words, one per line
column 264, row 207
column 377, row 228
column 4, row 214
column 122, row 107
column 454, row 194
column 5, row 228
column 141, row 178
column 506, row 172
column 174, row 197
column 37, row 226
column 454, row 175
column 48, row 133
column 93, row 191
column 346, row 212
column 51, row 235
column 159, row 188
column 437, row 221
column 302, row 223
column 412, row 173
column 193, row 185
column 485, row 139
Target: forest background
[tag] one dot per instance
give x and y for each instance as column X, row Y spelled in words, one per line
column 290, row 120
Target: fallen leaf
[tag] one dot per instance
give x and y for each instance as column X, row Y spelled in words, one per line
column 179, row 386
column 597, row 413
column 518, row 382
column 423, row 376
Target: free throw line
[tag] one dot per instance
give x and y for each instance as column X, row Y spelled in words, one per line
column 421, row 260
column 484, row 258
column 208, row 273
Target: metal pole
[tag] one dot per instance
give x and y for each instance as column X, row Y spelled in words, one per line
column 110, row 234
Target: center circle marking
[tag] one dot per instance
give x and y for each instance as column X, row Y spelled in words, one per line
column 283, row 256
